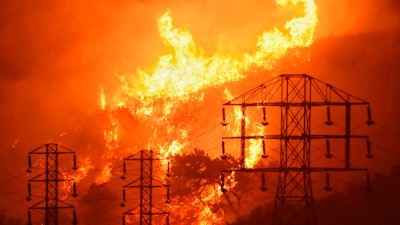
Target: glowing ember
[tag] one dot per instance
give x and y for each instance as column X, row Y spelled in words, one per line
column 209, row 198
column 255, row 148
column 105, row 175
column 84, row 167
column 102, row 99
column 111, row 138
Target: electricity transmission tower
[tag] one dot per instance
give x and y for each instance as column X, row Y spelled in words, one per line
column 146, row 186
column 51, row 177
column 295, row 96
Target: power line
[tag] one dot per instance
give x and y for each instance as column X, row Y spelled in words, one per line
column 295, row 95
column 145, row 185
column 51, row 204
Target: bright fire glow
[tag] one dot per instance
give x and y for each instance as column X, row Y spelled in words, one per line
column 254, row 150
column 105, row 175
column 112, row 144
column 153, row 95
column 102, row 99
column 188, row 69
column 211, row 196
column 84, row 167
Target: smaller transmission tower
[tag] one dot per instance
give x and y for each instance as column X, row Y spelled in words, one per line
column 146, row 186
column 51, row 179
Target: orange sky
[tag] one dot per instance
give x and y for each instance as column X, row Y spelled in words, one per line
column 55, row 56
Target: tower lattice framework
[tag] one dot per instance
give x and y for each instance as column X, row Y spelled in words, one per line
column 51, row 177
column 145, row 183
column 296, row 95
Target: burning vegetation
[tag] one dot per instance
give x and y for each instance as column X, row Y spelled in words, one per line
column 164, row 100
column 84, row 79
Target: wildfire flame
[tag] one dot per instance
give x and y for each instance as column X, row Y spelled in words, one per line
column 151, row 95
column 188, row 69
column 102, row 99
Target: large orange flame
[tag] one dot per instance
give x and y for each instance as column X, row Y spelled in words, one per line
column 178, row 77
column 187, row 69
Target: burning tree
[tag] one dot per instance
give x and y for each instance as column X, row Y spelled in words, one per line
column 194, row 185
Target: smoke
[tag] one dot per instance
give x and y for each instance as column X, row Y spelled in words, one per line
column 358, row 16
column 357, row 51
column 349, row 205
column 99, row 205
column 55, row 56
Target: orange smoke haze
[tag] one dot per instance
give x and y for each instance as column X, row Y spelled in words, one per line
column 67, row 67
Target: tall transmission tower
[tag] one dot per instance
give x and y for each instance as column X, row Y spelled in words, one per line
column 296, row 95
column 146, row 184
column 51, row 177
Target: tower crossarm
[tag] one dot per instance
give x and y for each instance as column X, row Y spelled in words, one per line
column 297, row 96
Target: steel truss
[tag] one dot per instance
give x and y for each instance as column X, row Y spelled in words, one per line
column 296, row 95
column 146, row 185
column 51, row 204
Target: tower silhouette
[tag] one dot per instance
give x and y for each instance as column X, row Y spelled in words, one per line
column 296, row 95
column 145, row 183
column 51, row 178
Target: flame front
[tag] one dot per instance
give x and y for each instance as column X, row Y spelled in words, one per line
column 154, row 95
column 187, row 69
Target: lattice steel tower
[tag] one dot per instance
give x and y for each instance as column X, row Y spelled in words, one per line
column 51, row 177
column 146, row 185
column 296, row 95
